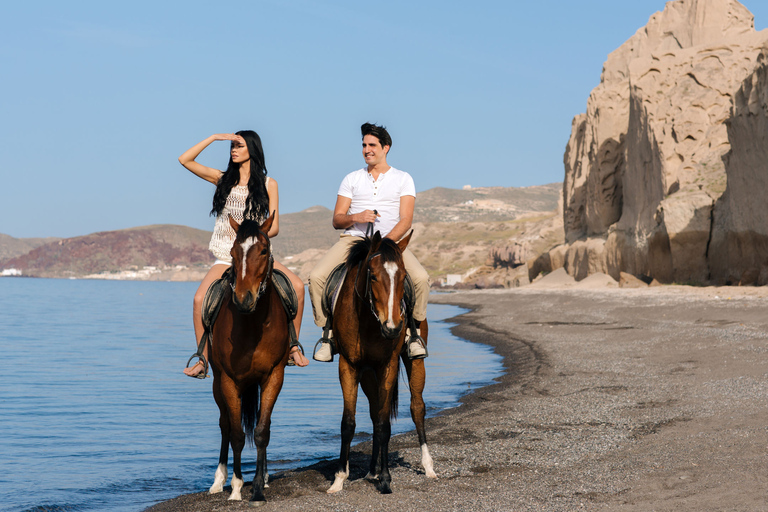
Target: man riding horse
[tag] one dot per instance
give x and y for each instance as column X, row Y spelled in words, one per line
column 385, row 197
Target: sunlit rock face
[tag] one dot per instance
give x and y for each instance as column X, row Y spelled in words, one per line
column 739, row 249
column 665, row 171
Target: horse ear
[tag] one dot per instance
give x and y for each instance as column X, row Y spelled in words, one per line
column 375, row 242
column 403, row 243
column 234, row 224
column 267, row 225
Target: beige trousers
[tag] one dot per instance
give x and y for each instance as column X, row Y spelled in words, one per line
column 338, row 253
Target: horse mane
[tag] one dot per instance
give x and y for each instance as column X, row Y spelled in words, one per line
column 248, row 229
column 388, row 249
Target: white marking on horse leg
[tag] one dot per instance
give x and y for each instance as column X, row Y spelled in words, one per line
column 391, row 269
column 218, row 479
column 246, row 245
column 237, row 485
column 338, row 482
column 426, row 462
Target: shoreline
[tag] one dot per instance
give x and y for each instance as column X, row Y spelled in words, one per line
column 642, row 399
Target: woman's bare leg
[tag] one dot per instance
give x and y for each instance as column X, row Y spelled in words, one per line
column 197, row 313
column 298, row 285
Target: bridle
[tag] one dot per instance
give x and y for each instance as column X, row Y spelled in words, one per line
column 267, row 275
column 368, row 296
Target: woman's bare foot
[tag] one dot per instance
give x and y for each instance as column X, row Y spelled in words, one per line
column 298, row 357
column 195, row 370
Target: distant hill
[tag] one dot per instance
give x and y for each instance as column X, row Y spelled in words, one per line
column 109, row 251
column 11, row 247
column 485, row 203
column 455, row 230
column 307, row 229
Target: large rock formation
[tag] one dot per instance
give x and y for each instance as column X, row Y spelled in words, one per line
column 663, row 173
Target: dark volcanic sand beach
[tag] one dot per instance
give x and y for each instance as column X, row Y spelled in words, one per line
column 613, row 399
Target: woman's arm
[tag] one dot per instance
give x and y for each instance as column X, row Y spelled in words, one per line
column 187, row 159
column 273, row 207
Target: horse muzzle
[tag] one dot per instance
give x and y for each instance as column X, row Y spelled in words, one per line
column 246, row 304
column 391, row 333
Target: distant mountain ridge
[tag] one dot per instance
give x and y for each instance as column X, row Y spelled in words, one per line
column 11, row 247
column 111, row 251
column 181, row 253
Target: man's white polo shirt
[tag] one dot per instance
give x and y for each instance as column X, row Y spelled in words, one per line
column 382, row 195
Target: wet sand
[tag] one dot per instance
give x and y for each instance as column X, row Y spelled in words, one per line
column 613, row 399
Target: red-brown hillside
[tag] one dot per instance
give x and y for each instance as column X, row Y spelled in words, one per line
column 159, row 246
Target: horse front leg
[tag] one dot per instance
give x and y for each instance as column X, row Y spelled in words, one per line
column 383, row 426
column 220, row 477
column 371, row 389
column 231, row 397
column 270, row 389
column 349, row 382
column 416, row 380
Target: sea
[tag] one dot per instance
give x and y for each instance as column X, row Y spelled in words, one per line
column 96, row 415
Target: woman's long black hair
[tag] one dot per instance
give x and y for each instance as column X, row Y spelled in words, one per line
column 257, row 204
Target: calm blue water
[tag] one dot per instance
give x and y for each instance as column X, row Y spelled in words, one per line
column 95, row 413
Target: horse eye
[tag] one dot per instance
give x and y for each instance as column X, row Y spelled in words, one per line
column 264, row 251
column 373, row 278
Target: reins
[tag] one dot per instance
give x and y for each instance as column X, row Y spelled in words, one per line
column 267, row 278
column 368, row 293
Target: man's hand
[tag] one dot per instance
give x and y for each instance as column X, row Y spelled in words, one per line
column 365, row 216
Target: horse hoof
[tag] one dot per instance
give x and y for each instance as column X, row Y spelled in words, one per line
column 256, row 503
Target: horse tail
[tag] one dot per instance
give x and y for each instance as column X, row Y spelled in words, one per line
column 395, row 395
column 249, row 407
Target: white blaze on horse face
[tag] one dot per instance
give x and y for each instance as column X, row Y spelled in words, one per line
column 391, row 269
column 246, row 245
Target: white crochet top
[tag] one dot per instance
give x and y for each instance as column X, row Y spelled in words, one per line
column 223, row 234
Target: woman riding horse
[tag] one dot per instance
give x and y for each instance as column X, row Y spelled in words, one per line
column 249, row 351
column 243, row 191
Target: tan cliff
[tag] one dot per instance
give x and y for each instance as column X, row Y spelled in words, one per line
column 665, row 172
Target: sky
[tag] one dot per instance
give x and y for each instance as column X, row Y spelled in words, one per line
column 99, row 99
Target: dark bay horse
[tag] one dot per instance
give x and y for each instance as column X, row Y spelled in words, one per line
column 249, row 350
column 369, row 327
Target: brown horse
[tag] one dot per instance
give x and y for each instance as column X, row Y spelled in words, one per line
column 248, row 355
column 369, row 327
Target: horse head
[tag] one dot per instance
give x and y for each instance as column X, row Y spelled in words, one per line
column 251, row 262
column 385, row 283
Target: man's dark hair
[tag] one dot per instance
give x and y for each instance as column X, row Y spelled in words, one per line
column 380, row 132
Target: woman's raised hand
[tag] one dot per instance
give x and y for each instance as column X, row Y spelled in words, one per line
column 228, row 136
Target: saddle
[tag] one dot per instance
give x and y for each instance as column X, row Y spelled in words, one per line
column 214, row 297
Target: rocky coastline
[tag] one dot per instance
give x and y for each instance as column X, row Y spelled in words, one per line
column 612, row 399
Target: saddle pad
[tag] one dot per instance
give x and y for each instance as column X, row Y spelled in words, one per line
column 332, row 289
column 286, row 292
column 214, row 297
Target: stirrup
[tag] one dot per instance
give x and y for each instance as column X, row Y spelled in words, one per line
column 291, row 362
column 418, row 340
column 201, row 359
column 331, row 344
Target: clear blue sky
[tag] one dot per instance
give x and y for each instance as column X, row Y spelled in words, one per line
column 100, row 98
